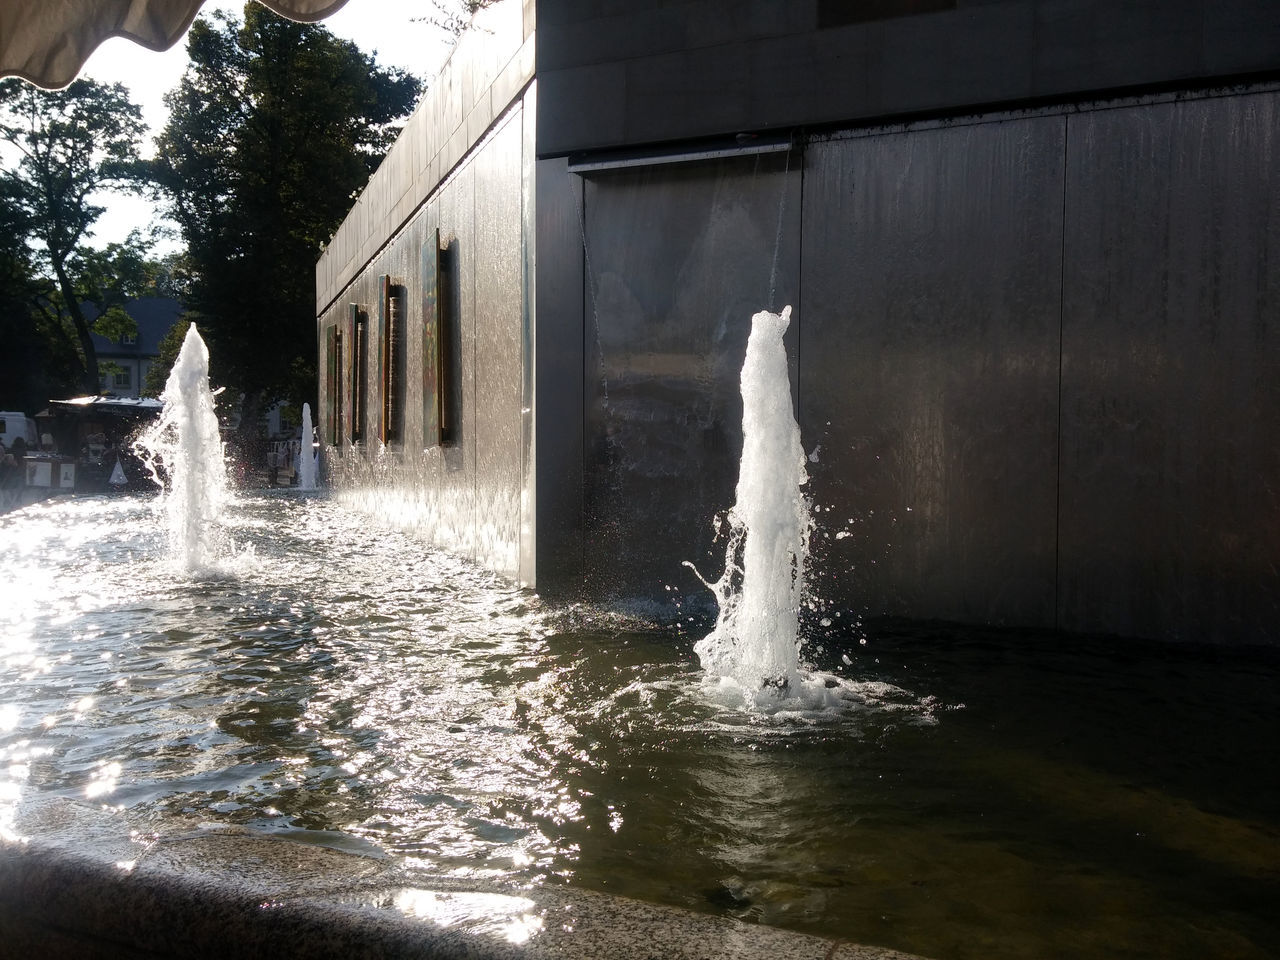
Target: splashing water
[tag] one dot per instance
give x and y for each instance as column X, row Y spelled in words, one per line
column 184, row 445
column 306, row 454
column 754, row 651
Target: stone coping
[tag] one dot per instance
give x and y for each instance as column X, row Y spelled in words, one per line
column 85, row 882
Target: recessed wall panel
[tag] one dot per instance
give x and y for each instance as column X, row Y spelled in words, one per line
column 1171, row 371
column 928, row 365
column 677, row 259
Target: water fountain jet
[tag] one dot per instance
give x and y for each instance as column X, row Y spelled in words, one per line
column 754, row 648
column 306, row 454
column 183, row 451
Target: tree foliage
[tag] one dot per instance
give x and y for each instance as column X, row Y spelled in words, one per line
column 170, row 345
column 454, row 16
column 22, row 384
column 274, row 129
column 69, row 145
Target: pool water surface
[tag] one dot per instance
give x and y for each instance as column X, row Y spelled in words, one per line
column 988, row 794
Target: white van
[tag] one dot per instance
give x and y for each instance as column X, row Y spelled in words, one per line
column 15, row 425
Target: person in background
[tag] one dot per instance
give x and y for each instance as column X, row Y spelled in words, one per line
column 11, row 478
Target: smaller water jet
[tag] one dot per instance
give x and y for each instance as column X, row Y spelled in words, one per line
column 306, row 453
column 183, row 451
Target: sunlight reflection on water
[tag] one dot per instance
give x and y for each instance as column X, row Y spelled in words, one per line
column 351, row 685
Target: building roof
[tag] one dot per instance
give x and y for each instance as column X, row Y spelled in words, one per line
column 155, row 316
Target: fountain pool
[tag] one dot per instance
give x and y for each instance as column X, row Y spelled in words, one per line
column 982, row 794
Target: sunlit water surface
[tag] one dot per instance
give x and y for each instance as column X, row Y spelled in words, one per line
column 980, row 796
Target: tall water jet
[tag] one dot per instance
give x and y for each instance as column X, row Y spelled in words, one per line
column 306, row 453
column 755, row 644
column 185, row 447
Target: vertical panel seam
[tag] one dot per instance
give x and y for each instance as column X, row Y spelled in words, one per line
column 1062, row 314
column 584, row 279
column 799, row 288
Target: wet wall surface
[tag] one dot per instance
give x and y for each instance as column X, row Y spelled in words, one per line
column 929, row 368
column 1170, row 479
column 1035, row 360
column 468, row 492
column 678, row 259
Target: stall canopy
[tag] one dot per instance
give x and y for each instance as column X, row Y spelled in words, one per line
column 48, row 41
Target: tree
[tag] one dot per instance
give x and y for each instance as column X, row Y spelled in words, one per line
column 455, row 16
column 170, row 346
column 70, row 144
column 20, row 382
column 274, row 128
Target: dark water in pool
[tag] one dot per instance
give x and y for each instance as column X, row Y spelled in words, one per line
column 985, row 795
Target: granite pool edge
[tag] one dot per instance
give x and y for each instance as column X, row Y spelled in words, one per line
column 77, row 881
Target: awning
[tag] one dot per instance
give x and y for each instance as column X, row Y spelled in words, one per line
column 105, row 406
column 48, row 41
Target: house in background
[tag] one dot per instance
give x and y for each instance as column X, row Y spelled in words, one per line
column 123, row 364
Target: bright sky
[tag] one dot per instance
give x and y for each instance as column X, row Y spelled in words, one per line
column 383, row 27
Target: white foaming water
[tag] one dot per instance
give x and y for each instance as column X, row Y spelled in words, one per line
column 753, row 654
column 185, row 445
column 306, row 453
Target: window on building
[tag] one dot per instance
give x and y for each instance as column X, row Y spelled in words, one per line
column 359, row 371
column 123, row 379
column 334, row 387
column 129, row 339
column 391, row 333
column 433, row 409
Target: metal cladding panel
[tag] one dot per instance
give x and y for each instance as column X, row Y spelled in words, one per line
column 436, row 489
column 678, row 259
column 654, row 71
column 558, row 373
column 1171, row 371
column 497, row 272
column 929, row 369
column 457, row 238
column 528, row 337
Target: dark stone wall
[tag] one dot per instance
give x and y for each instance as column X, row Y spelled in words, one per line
column 1035, row 357
column 1170, row 441
column 617, row 73
column 931, row 302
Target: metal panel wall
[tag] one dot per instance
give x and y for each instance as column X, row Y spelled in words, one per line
column 929, row 369
column 498, row 346
column 678, row 258
column 558, row 374
column 465, row 496
column 1171, row 371
column 628, row 72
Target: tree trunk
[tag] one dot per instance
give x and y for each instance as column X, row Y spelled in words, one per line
column 90, row 382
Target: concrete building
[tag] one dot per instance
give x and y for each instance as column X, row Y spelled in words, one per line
column 1033, row 251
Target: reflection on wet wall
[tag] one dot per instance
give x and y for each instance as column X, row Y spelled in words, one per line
column 1035, row 359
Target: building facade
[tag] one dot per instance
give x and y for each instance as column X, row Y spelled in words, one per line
column 1031, row 250
column 124, row 363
